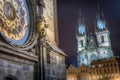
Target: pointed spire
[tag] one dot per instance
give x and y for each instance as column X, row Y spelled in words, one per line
column 101, row 24
column 95, row 26
column 80, row 13
column 98, row 7
column 80, row 20
column 100, row 14
column 81, row 25
column 99, row 11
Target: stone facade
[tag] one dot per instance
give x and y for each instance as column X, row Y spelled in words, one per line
column 55, row 65
column 23, row 50
column 95, row 57
column 103, row 69
column 50, row 14
column 21, row 71
column 55, row 58
column 18, row 56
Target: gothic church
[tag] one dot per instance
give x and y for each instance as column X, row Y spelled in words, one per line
column 93, row 47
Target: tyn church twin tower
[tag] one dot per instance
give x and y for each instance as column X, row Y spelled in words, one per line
column 93, row 47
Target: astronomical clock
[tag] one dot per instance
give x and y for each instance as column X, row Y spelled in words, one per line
column 14, row 19
column 18, row 39
column 16, row 25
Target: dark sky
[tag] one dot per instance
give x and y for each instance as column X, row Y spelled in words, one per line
column 68, row 13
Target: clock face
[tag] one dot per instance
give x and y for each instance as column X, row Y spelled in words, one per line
column 14, row 20
column 81, row 29
column 100, row 24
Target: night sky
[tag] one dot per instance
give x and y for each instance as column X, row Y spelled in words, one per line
column 68, row 14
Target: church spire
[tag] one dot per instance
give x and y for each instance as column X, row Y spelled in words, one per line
column 101, row 24
column 81, row 25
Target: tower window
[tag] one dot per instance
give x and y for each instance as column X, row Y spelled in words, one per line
column 81, row 43
column 102, row 39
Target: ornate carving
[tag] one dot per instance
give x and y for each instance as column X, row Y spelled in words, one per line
column 41, row 26
column 9, row 11
column 31, row 40
column 15, row 17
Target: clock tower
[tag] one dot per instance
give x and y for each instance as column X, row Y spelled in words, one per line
column 103, row 37
column 93, row 46
column 82, row 41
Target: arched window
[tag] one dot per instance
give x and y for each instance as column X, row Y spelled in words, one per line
column 81, row 43
column 10, row 77
column 115, row 64
column 111, row 64
column 93, row 56
column 102, row 39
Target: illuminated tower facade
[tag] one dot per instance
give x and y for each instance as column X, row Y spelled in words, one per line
column 82, row 42
column 103, row 37
column 92, row 47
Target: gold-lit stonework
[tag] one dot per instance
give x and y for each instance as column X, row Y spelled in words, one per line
column 49, row 14
column 41, row 25
column 14, row 19
column 98, row 70
column 30, row 53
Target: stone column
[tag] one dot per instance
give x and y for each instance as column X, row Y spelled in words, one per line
column 41, row 40
column 41, row 26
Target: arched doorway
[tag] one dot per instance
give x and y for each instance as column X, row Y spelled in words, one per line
column 10, row 77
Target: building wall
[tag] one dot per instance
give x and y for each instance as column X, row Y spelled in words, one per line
column 51, row 19
column 23, row 61
column 55, row 58
column 99, row 70
column 55, row 66
column 17, row 58
column 22, row 71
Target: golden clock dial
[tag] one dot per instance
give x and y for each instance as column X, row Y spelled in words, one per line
column 14, row 19
column 9, row 11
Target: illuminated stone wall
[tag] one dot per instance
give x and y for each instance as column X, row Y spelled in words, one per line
column 92, row 47
column 18, row 39
column 55, row 64
column 19, row 70
column 50, row 16
column 103, row 69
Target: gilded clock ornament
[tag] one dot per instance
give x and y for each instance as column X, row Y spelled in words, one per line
column 41, row 26
column 9, row 11
column 15, row 18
